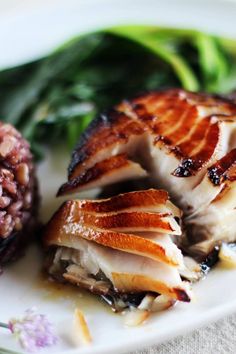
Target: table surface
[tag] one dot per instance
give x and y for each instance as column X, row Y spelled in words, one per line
column 217, row 338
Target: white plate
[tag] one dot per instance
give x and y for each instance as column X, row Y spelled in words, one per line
column 32, row 33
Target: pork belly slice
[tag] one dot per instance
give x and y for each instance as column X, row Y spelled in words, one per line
column 122, row 272
column 180, row 139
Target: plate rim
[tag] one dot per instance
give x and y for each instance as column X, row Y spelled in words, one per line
column 148, row 339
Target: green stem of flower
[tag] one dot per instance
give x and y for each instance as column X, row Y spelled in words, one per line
column 4, row 325
column 8, row 351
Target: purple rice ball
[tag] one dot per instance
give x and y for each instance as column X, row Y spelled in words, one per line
column 18, row 193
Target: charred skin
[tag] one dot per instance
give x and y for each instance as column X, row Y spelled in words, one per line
column 223, row 169
column 185, row 142
column 160, row 114
column 18, row 194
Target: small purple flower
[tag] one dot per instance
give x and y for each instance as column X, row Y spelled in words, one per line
column 33, row 331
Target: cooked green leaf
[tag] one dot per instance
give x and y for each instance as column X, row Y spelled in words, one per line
column 53, row 99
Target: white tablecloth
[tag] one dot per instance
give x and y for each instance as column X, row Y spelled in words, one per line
column 217, row 338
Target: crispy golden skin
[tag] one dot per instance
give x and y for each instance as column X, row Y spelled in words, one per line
column 115, row 222
column 184, row 123
column 185, row 143
column 120, row 244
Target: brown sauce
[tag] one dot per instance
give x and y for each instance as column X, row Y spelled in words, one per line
column 68, row 294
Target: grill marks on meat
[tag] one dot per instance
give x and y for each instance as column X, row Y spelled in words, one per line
column 108, row 130
column 131, row 245
column 224, row 169
column 113, row 169
column 185, row 142
column 187, row 124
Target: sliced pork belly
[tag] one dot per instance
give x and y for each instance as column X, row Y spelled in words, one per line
column 180, row 139
column 123, row 250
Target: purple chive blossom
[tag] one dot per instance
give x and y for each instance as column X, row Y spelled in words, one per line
column 33, row 331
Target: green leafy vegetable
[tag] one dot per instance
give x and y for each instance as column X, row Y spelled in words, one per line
column 53, row 99
column 167, row 54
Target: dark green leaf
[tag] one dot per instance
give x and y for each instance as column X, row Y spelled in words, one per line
column 55, row 98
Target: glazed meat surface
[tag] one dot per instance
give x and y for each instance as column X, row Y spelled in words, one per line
column 121, row 245
column 184, row 142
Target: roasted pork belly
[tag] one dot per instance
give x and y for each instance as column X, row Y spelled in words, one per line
column 184, row 142
column 120, row 245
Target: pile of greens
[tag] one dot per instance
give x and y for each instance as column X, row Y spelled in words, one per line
column 53, row 99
